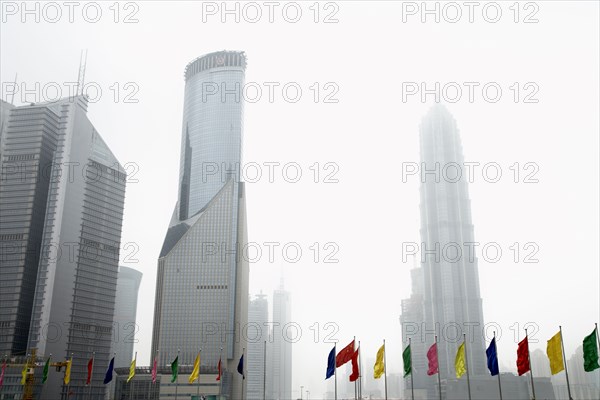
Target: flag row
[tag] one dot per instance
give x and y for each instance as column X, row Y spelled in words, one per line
column 195, row 375
column 554, row 351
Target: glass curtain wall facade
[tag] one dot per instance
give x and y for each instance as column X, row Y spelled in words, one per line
column 202, row 277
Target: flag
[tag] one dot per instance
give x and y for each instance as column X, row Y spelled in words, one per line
column 344, row 355
column 460, row 362
column 45, row 372
column 492, row 358
column 219, row 368
column 175, row 369
column 24, row 373
column 195, row 372
column 590, row 352
column 554, row 351
column 2, row 374
column 523, row 356
column 109, row 372
column 131, row 370
column 154, row 370
column 355, row 371
column 67, row 378
column 90, row 367
column 379, row 367
column 407, row 361
column 432, row 357
column 240, row 367
column 330, row 364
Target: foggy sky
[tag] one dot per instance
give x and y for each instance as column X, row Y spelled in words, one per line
column 367, row 134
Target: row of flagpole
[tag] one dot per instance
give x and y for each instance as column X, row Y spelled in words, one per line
column 555, row 351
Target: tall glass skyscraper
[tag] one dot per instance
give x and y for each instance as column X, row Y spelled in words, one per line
column 450, row 299
column 202, row 277
column 128, row 285
column 61, row 199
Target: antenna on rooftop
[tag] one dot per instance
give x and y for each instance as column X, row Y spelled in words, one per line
column 81, row 74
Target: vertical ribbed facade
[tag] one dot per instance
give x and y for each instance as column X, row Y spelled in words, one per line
column 281, row 388
column 258, row 333
column 125, row 327
column 64, row 210
column 451, row 303
column 202, row 277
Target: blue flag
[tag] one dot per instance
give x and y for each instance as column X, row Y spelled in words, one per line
column 109, row 371
column 492, row 358
column 240, row 367
column 330, row 364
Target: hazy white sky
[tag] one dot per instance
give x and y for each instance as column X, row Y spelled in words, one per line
column 368, row 57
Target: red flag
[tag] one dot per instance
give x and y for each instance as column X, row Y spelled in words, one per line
column 219, row 376
column 355, row 373
column 523, row 357
column 432, row 357
column 154, row 370
column 90, row 367
column 344, row 355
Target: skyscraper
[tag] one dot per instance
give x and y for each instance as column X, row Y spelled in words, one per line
column 258, row 333
column 62, row 198
column 128, row 284
column 451, row 301
column 202, row 278
column 281, row 368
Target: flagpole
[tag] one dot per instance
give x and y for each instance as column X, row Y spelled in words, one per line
column 199, row 363
column 177, row 376
column 530, row 369
column 130, row 382
column 92, row 373
column 437, row 354
column 355, row 382
column 384, row 369
column 359, row 373
column 220, row 377
column 335, row 371
column 499, row 384
column 243, row 376
column 565, row 362
column 412, row 385
column 265, row 371
column 467, row 365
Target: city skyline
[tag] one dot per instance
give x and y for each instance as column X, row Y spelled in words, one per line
column 357, row 200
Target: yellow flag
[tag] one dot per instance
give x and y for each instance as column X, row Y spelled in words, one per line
column 131, row 370
column 23, row 373
column 460, row 364
column 554, row 351
column 196, row 370
column 67, row 378
column 379, row 366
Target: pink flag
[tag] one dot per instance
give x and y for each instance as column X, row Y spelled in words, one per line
column 154, row 371
column 2, row 376
column 432, row 356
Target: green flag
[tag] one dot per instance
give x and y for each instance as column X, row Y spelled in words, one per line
column 590, row 352
column 174, row 369
column 45, row 374
column 407, row 361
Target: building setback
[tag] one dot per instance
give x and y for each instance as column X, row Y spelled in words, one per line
column 62, row 196
column 202, row 277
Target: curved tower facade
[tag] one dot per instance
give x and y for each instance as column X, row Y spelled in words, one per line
column 202, row 279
